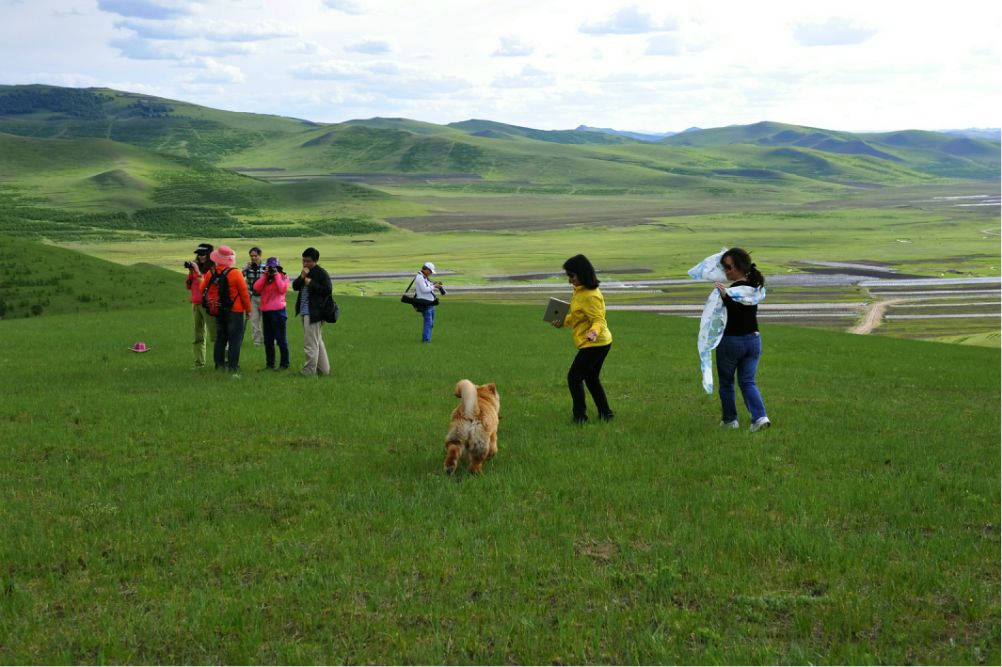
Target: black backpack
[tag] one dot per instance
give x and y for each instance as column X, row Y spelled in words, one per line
column 216, row 295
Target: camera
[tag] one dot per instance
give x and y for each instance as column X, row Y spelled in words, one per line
column 272, row 270
column 441, row 290
column 189, row 265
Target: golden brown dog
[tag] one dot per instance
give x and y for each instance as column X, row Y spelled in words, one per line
column 473, row 429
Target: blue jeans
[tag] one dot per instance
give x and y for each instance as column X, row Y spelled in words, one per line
column 429, row 322
column 229, row 334
column 741, row 354
column 274, row 332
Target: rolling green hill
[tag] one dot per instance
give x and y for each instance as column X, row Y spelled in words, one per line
column 930, row 153
column 165, row 126
column 491, row 150
column 89, row 163
column 37, row 279
column 493, row 130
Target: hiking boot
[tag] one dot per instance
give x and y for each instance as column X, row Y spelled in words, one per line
column 760, row 424
column 730, row 424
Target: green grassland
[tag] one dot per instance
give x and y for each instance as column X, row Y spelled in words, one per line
column 131, row 177
column 155, row 514
column 667, row 248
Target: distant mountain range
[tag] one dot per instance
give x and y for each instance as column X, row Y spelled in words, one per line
column 986, row 133
column 639, row 136
column 100, row 148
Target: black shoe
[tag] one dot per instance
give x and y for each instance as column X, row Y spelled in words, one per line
column 606, row 416
column 580, row 419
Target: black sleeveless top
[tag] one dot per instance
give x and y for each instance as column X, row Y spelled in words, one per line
column 741, row 319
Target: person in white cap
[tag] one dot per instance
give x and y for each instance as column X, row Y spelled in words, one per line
column 425, row 289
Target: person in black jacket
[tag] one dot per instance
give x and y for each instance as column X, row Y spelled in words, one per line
column 314, row 283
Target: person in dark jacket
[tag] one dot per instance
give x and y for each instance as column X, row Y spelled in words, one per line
column 314, row 283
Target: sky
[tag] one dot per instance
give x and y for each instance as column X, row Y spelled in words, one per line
column 647, row 66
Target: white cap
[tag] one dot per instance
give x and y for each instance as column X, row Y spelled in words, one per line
column 429, row 266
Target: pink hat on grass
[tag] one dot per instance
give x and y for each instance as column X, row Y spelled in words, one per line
column 224, row 256
column 140, row 347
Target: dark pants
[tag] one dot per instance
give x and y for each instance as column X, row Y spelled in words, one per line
column 274, row 332
column 585, row 369
column 229, row 334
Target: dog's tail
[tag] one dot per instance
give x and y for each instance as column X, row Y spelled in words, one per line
column 468, row 392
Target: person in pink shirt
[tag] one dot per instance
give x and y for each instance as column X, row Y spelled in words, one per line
column 272, row 286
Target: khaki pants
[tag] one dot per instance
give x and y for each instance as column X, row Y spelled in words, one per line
column 203, row 322
column 257, row 335
column 313, row 348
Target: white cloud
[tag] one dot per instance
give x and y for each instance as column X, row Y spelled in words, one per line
column 305, row 47
column 834, row 31
column 331, row 69
column 222, row 30
column 137, row 48
column 513, row 47
column 627, row 21
column 346, row 6
column 147, row 9
column 528, row 77
column 210, row 70
column 664, row 45
column 370, row 47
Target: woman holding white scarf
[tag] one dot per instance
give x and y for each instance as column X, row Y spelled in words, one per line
column 741, row 346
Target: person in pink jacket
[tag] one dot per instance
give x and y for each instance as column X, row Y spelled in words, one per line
column 272, row 286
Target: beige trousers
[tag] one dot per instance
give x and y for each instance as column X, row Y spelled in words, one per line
column 257, row 333
column 313, row 348
column 203, row 323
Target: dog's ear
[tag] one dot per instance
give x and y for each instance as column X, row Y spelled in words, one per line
column 493, row 388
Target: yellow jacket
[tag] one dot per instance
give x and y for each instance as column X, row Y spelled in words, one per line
column 587, row 312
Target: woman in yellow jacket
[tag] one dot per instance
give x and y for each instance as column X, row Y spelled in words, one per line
column 592, row 337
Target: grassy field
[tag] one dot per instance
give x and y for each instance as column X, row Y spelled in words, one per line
column 155, row 514
column 927, row 243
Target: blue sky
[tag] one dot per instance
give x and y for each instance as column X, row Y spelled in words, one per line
column 549, row 64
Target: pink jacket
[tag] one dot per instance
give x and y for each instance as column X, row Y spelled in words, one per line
column 194, row 284
column 272, row 293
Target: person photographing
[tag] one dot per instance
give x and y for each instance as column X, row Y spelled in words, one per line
column 272, row 287
column 424, row 288
column 205, row 324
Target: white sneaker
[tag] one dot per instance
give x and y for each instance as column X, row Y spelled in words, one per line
column 733, row 424
column 760, row 424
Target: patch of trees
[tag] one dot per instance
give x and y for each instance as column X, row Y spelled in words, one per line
column 144, row 108
column 72, row 102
